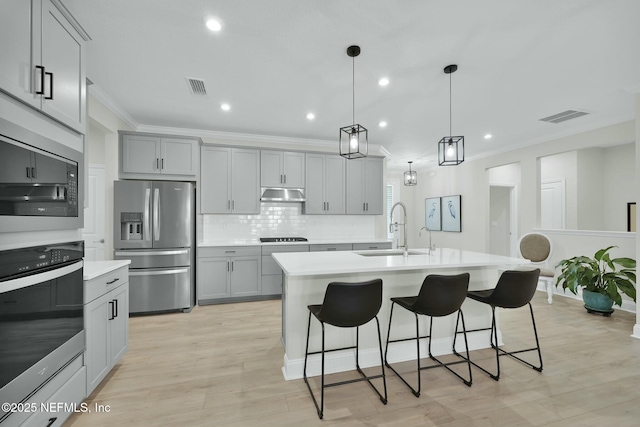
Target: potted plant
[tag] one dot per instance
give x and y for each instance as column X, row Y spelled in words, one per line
column 603, row 280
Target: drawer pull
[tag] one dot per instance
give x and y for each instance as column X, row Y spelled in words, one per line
column 113, row 281
column 229, row 252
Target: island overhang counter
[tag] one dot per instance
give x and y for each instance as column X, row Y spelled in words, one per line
column 307, row 274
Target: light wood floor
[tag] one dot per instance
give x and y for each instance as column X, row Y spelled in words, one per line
column 220, row 366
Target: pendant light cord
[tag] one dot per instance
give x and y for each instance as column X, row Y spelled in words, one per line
column 450, row 105
column 353, row 86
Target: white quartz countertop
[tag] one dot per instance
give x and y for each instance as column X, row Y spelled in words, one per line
column 324, row 263
column 93, row 269
column 256, row 242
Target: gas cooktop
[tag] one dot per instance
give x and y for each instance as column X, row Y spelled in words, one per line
column 282, row 239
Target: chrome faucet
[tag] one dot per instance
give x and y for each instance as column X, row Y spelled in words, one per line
column 404, row 225
column 431, row 247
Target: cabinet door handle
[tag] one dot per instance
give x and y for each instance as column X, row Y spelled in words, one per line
column 41, row 91
column 28, row 172
column 115, row 303
column 228, row 204
column 231, row 265
column 113, row 281
column 157, row 163
column 327, row 205
column 285, row 178
column 233, row 205
column 162, row 164
column 364, row 207
column 33, row 173
column 228, row 267
column 367, row 206
column 50, row 86
column 51, row 421
column 229, row 252
column 111, row 309
column 280, row 179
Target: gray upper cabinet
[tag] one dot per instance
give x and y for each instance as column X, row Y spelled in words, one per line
column 282, row 169
column 325, row 190
column 365, row 186
column 159, row 157
column 44, row 64
column 229, row 180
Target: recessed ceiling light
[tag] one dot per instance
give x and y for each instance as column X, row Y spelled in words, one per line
column 488, row 136
column 382, row 124
column 383, row 81
column 225, row 107
column 311, row 116
column 213, row 24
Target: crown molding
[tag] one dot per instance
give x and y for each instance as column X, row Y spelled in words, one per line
column 114, row 107
column 275, row 141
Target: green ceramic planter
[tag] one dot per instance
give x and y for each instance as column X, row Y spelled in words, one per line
column 596, row 302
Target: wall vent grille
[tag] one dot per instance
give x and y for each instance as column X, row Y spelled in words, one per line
column 197, row 86
column 564, row 116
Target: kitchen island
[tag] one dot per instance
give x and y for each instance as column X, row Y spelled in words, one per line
column 307, row 274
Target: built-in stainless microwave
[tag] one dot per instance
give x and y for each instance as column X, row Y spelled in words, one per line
column 39, row 182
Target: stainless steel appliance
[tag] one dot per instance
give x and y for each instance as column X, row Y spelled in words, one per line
column 41, row 316
column 282, row 239
column 154, row 228
column 39, row 185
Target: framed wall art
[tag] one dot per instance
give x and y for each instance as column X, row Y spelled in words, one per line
column 451, row 213
column 432, row 213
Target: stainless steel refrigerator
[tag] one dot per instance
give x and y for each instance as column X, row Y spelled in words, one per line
column 154, row 228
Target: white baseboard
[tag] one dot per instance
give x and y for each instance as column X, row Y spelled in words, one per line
column 636, row 331
column 341, row 361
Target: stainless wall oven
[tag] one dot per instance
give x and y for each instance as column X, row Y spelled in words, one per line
column 41, row 316
column 40, row 187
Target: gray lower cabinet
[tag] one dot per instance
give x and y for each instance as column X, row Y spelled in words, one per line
column 365, row 186
column 106, row 314
column 228, row 273
column 372, row 246
column 271, row 272
column 330, row 247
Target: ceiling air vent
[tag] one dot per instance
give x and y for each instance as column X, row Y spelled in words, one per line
column 564, row 116
column 197, row 86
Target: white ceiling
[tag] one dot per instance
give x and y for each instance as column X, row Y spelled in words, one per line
column 276, row 60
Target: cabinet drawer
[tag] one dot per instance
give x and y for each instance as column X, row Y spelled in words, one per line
column 338, row 247
column 272, row 249
column 371, row 246
column 100, row 285
column 72, row 392
column 218, row 251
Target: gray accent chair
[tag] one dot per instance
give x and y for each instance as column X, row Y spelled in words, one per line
column 537, row 248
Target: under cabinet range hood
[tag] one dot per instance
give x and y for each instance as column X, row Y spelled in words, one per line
column 282, row 195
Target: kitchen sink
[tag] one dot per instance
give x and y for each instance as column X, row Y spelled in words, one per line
column 391, row 253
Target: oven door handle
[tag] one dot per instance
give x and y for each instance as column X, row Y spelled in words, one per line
column 34, row 279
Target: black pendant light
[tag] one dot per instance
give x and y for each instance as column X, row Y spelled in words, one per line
column 410, row 177
column 354, row 140
column 450, row 148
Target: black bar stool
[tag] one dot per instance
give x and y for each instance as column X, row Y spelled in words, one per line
column 515, row 289
column 439, row 296
column 347, row 305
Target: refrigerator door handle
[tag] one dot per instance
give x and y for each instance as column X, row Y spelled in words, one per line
column 147, row 219
column 158, row 272
column 156, row 214
column 131, row 254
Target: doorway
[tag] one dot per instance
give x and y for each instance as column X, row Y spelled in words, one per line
column 502, row 220
column 552, row 205
column 94, row 215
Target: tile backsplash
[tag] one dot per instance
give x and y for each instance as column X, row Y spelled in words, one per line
column 284, row 219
